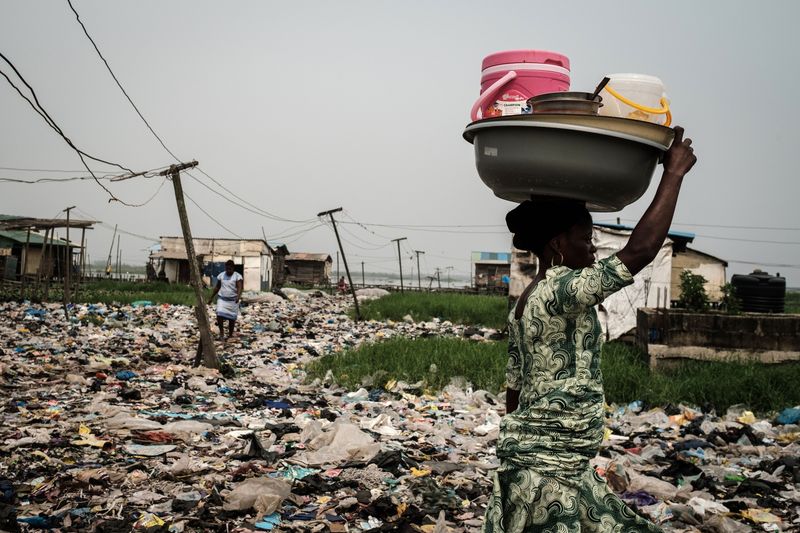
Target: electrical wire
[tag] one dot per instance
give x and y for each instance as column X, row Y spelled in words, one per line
column 297, row 234
column 771, row 228
column 39, row 109
column 121, row 88
column 112, row 177
column 778, row 265
column 244, row 207
column 260, row 211
column 206, row 213
column 18, row 169
column 264, row 212
column 746, row 240
column 371, row 246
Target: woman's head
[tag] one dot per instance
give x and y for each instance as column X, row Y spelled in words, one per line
column 557, row 230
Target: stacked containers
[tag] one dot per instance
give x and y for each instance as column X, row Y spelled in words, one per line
column 636, row 96
column 509, row 78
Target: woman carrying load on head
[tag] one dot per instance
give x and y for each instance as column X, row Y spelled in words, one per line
column 555, row 422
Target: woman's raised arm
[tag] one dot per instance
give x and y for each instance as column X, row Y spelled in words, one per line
column 650, row 232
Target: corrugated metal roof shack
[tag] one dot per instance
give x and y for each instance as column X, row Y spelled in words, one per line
column 490, row 268
column 252, row 257
column 22, row 246
column 308, row 268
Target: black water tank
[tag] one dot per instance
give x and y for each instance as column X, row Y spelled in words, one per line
column 760, row 292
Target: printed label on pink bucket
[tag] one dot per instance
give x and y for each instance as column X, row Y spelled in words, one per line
column 510, row 102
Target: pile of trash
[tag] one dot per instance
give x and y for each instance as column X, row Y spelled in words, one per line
column 107, row 427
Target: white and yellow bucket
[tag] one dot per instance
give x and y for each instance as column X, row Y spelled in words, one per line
column 636, row 96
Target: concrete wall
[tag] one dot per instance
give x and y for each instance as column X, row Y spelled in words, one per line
column 711, row 269
column 675, row 334
column 252, row 273
column 523, row 270
column 216, row 247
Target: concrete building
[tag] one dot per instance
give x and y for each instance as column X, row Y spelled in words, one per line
column 252, row 257
column 657, row 286
column 710, row 267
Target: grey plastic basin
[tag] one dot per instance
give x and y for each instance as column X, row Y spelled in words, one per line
column 607, row 169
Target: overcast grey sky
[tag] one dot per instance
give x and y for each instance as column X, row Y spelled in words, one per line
column 300, row 107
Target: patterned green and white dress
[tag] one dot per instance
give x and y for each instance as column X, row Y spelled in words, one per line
column 545, row 483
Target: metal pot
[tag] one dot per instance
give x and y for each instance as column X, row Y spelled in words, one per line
column 570, row 103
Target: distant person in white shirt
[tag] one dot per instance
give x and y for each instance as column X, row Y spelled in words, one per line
column 229, row 291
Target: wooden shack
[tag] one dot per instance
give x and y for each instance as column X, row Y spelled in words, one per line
column 308, row 268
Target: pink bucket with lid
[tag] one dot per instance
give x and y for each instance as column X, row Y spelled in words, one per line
column 509, row 78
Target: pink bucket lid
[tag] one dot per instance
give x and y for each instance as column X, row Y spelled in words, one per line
column 526, row 56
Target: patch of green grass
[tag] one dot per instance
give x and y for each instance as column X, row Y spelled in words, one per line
column 481, row 363
column 125, row 292
column 793, row 301
column 627, row 378
column 468, row 309
column 761, row 387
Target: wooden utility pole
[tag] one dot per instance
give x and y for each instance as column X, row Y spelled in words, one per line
column 118, row 257
column 439, row 277
column 81, row 262
column 110, row 250
column 363, row 283
column 400, row 260
column 419, row 275
column 69, row 268
column 206, row 350
column 46, row 253
column 344, row 257
column 24, row 270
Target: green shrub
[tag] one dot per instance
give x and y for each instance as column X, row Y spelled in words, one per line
column 730, row 303
column 693, row 292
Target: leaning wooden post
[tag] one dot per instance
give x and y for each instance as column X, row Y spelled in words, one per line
column 24, row 265
column 81, row 262
column 68, row 272
column 344, row 258
column 206, row 347
column 48, row 251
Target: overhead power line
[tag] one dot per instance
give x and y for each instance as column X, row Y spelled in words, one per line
column 121, row 88
column 217, row 222
column 259, row 210
column 39, row 109
column 18, row 169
